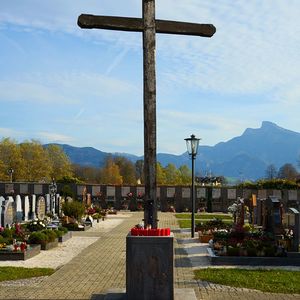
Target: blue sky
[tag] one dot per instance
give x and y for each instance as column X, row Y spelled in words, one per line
column 60, row 83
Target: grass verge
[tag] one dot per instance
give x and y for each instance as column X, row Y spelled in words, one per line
column 14, row 273
column 187, row 223
column 274, row 281
column 204, row 216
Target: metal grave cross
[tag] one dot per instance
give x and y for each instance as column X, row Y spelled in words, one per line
column 149, row 26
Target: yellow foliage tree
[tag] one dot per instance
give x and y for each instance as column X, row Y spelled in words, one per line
column 110, row 174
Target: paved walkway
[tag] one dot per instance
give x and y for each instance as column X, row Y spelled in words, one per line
column 101, row 266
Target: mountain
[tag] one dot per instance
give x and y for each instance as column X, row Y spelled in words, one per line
column 244, row 157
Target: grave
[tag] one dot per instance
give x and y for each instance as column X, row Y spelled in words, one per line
column 33, row 207
column 26, row 208
column 48, row 203
column 8, row 212
column 2, row 201
column 19, row 210
column 41, row 208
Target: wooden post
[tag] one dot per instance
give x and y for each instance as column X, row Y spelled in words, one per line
column 150, row 214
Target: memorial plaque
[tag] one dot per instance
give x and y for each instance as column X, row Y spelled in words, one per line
column 277, row 193
column 23, row 188
column 201, row 192
column 81, row 189
column 38, row 189
column 2, row 202
column 96, row 189
column 48, row 203
column 186, row 192
column 140, row 191
column 262, row 194
column 9, row 188
column 110, row 191
column 41, row 208
column 216, row 193
column 125, row 190
column 231, row 194
column 170, row 192
column 293, row 195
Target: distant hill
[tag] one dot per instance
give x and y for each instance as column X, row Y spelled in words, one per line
column 245, row 157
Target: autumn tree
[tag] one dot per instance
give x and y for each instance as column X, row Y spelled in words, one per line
column 110, row 174
column 127, row 169
column 87, row 174
column 139, row 170
column 271, row 172
column 10, row 157
column 160, row 174
column 185, row 175
column 37, row 163
column 60, row 162
column 172, row 175
column 287, row 171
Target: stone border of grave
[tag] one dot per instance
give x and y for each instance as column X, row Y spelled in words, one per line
column 292, row 259
column 65, row 237
column 50, row 245
column 30, row 252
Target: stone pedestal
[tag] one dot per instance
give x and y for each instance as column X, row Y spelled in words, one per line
column 149, row 267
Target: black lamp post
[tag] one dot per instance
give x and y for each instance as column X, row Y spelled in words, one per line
column 192, row 144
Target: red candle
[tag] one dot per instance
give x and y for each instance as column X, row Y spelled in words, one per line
column 168, row 231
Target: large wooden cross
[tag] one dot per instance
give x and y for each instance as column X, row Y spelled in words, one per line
column 148, row 25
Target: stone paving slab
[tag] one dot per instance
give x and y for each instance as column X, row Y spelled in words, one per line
column 101, row 266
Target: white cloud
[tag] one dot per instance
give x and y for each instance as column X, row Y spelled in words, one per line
column 53, row 137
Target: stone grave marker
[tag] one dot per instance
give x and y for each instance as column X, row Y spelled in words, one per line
column 41, row 208
column 293, row 195
column 2, row 202
column 33, row 207
column 8, row 212
column 96, row 189
column 61, row 201
column 9, row 188
column 231, row 194
column 23, row 188
column 125, row 190
column 186, row 192
column 88, row 199
column 48, row 203
column 26, row 208
column 170, row 192
column 216, row 193
column 201, row 192
column 38, row 189
column 19, row 210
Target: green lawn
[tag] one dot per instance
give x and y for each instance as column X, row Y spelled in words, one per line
column 14, row 273
column 204, row 216
column 187, row 223
column 275, row 281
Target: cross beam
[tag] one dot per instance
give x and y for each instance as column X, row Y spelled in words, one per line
column 137, row 25
column 149, row 26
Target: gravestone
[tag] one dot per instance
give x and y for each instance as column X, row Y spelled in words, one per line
column 272, row 216
column 8, row 212
column 216, row 193
column 48, row 203
column 293, row 195
column 125, row 190
column 88, row 199
column 33, row 207
column 186, row 193
column 61, row 201
column 2, row 201
column 9, row 188
column 231, row 194
column 201, row 192
column 170, row 192
column 26, row 208
column 38, row 189
column 291, row 221
column 96, row 189
column 23, row 188
column 19, row 210
column 110, row 193
column 41, row 208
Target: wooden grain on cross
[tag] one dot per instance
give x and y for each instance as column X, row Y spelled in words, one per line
column 149, row 26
